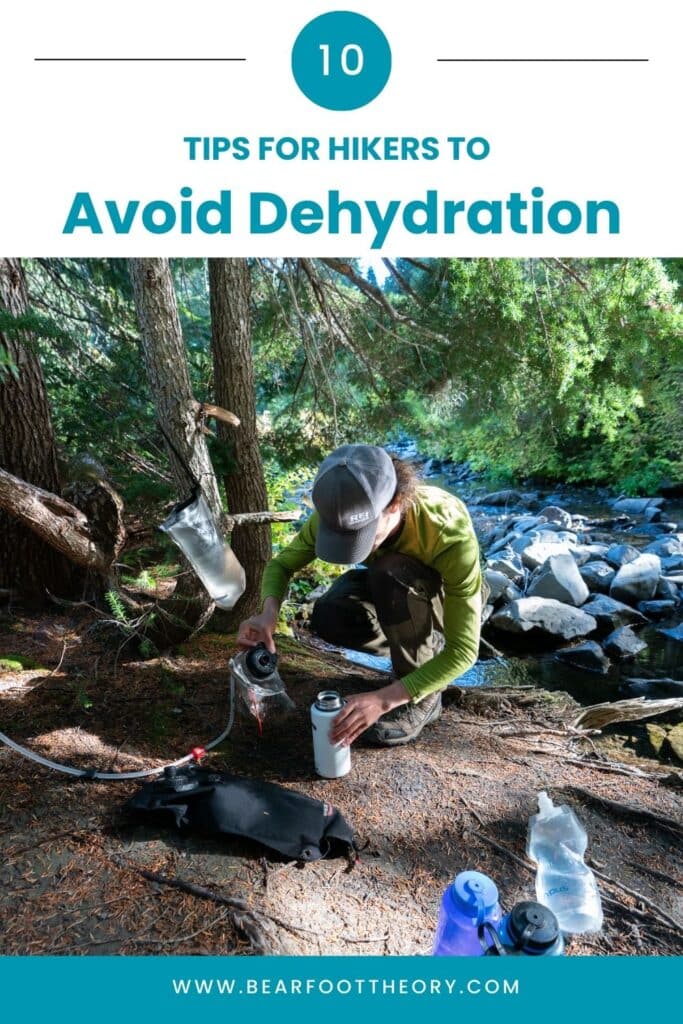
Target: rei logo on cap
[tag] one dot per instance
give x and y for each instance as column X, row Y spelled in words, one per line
column 359, row 517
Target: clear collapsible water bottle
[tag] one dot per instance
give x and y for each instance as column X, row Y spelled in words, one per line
column 564, row 883
column 194, row 530
column 467, row 903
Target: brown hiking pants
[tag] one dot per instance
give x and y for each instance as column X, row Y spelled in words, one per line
column 394, row 608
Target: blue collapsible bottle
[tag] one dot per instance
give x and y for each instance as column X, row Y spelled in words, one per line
column 467, row 903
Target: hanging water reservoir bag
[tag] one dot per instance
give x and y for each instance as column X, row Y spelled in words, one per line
column 192, row 527
column 290, row 823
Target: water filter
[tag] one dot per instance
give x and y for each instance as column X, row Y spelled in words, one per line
column 332, row 760
column 258, row 684
column 557, row 842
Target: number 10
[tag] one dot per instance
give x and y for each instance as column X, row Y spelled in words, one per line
column 351, row 50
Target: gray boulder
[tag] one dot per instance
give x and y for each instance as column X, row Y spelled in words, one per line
column 584, row 553
column 588, row 656
column 537, row 549
column 555, row 514
column 655, row 529
column 597, row 550
column 559, row 578
column 610, row 614
column 667, row 589
column 546, row 615
column 637, row 580
column 675, row 740
column 636, row 506
column 498, row 583
column 502, row 545
column 623, row 643
column 597, row 575
column 657, row 609
column 511, row 567
column 512, row 593
column 665, row 547
column 581, row 554
column 672, row 564
column 653, row 687
column 508, row 497
column 652, row 514
column 525, row 523
column 620, row 554
column 675, row 633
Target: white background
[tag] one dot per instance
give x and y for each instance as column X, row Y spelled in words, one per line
column 581, row 131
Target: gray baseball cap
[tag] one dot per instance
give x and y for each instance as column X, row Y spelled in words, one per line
column 351, row 490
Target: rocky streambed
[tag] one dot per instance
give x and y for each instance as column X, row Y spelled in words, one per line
column 585, row 594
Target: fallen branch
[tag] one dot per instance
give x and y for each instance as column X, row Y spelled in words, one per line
column 626, row 810
column 244, row 918
column 149, row 940
column 613, row 767
column 56, row 521
column 246, row 913
column 531, row 868
column 645, row 900
column 599, row 715
column 473, row 812
column 659, row 875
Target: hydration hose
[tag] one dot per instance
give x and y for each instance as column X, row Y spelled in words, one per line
column 88, row 773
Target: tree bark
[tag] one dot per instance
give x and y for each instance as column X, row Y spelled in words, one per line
column 163, row 351
column 66, row 528
column 180, row 416
column 28, row 565
column 245, row 486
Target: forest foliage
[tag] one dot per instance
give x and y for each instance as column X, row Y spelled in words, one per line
column 542, row 369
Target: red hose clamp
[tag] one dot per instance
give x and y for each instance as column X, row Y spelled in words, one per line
column 197, row 754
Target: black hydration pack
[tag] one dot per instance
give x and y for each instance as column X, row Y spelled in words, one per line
column 290, row 823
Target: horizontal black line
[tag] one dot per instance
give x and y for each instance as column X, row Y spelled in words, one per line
column 140, row 58
column 543, row 60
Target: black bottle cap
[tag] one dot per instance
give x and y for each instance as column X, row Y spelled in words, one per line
column 260, row 662
column 532, row 927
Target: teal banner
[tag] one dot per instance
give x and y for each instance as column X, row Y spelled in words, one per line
column 329, row 989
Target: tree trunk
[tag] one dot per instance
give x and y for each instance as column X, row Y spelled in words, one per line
column 28, row 565
column 163, row 350
column 245, row 486
column 180, row 417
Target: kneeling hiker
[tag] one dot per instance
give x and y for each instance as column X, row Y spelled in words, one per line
column 418, row 599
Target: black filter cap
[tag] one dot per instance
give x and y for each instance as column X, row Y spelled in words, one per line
column 260, row 662
column 532, row 927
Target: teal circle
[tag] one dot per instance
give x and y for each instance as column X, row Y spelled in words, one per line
column 341, row 60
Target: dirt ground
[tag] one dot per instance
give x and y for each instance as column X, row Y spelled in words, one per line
column 458, row 798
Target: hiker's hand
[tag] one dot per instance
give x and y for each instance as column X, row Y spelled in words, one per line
column 258, row 629
column 363, row 709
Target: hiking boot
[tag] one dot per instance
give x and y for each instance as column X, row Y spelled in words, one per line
column 404, row 724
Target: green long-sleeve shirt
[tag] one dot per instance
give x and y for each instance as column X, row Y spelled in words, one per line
column 437, row 530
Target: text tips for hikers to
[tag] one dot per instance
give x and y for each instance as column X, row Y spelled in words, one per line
column 488, row 129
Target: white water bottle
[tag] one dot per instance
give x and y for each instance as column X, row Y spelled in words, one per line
column 332, row 760
column 564, row 883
